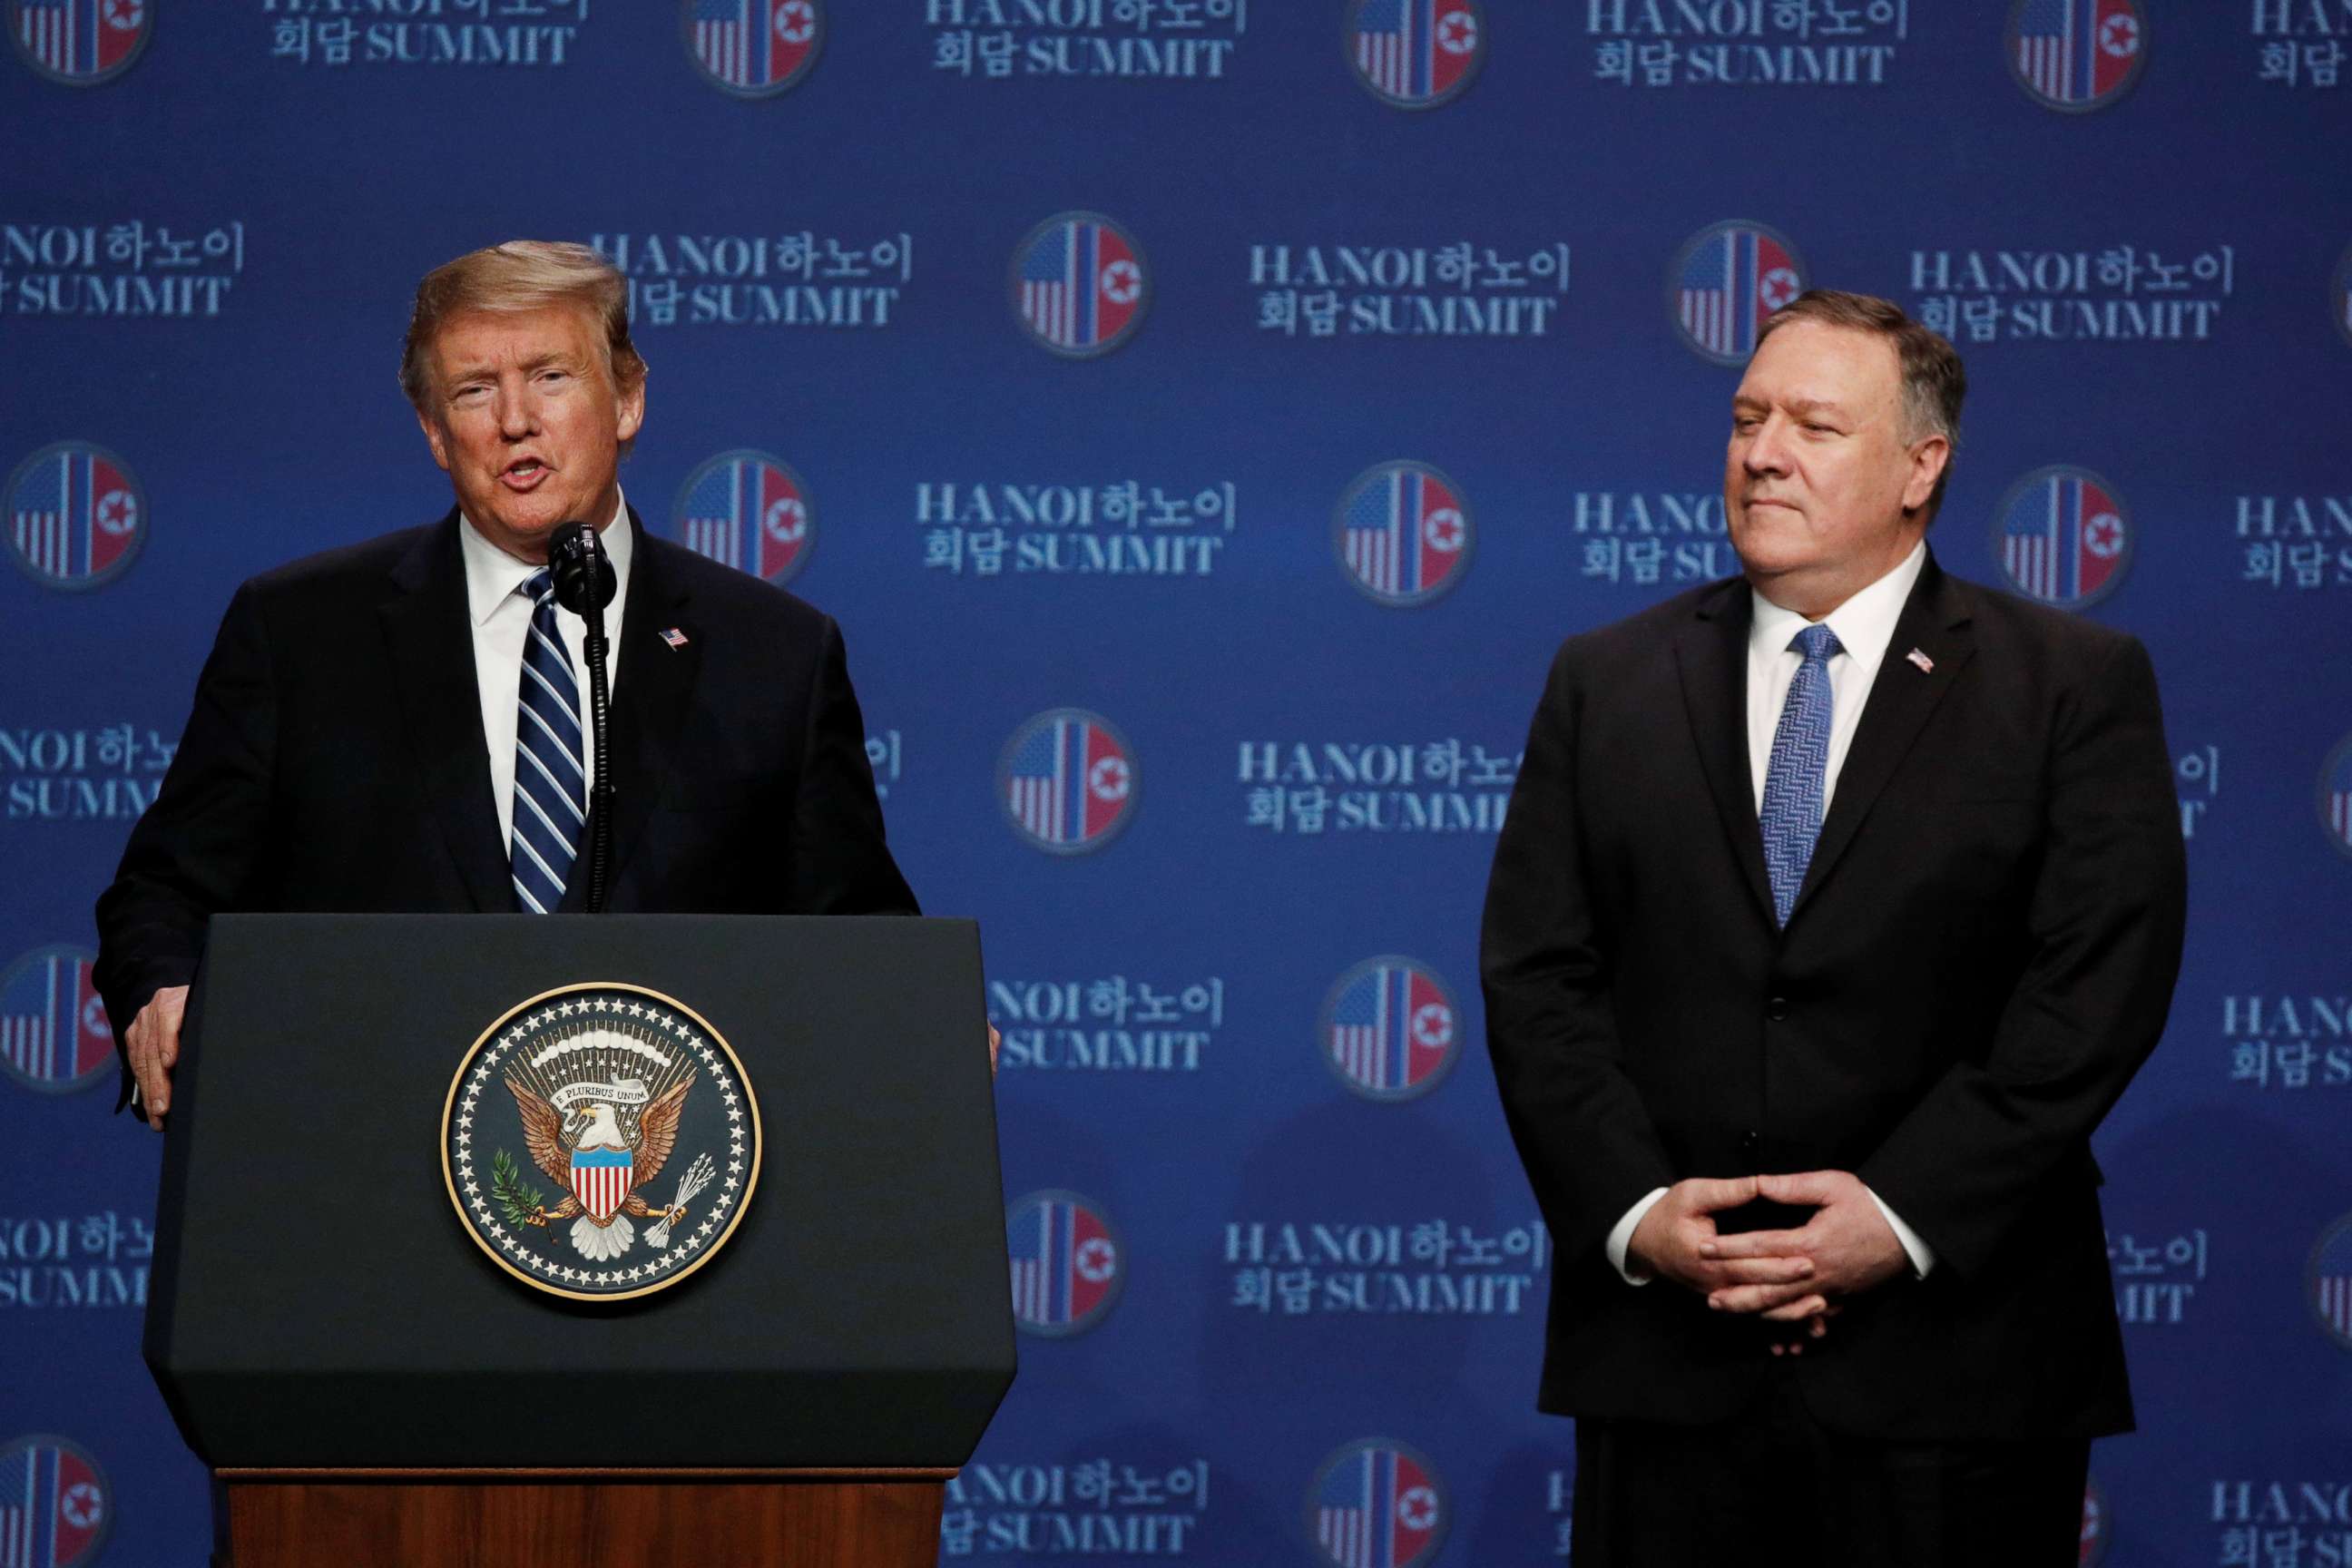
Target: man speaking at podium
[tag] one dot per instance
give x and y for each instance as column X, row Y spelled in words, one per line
column 402, row 725
column 1834, row 909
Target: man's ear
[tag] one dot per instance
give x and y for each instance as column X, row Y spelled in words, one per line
column 630, row 404
column 1928, row 459
column 434, row 439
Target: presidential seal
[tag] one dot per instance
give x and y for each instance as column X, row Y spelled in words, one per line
column 636, row 1111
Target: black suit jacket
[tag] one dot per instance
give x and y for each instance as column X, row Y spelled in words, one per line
column 1981, row 955
column 335, row 761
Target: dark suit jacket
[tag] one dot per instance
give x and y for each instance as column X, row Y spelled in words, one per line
column 334, row 761
column 1981, row 955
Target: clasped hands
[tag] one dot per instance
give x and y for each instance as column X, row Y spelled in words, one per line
column 1797, row 1277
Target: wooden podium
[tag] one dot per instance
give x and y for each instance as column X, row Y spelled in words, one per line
column 376, row 1386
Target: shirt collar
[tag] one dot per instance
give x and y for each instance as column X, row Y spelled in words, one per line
column 1864, row 624
column 492, row 575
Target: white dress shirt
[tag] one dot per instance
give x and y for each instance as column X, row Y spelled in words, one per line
column 501, row 616
column 1864, row 626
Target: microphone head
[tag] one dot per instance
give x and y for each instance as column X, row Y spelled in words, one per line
column 576, row 557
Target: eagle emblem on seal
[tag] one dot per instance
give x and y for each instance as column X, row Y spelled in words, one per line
column 601, row 1131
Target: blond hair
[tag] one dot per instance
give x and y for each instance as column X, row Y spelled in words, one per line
column 522, row 275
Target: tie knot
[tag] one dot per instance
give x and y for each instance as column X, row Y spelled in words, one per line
column 535, row 587
column 1817, row 644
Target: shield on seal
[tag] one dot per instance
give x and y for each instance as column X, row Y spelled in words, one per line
column 600, row 1179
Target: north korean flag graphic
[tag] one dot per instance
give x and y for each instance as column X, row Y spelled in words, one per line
column 1391, row 1028
column 1378, row 1505
column 75, row 515
column 2330, row 1277
column 754, row 47
column 600, row 1180
column 1404, row 534
column 1068, row 781
column 1080, row 284
column 750, row 510
column 81, row 41
column 1067, row 1262
column 2064, row 539
column 54, row 1500
column 2077, row 54
column 54, row 1034
column 1732, row 276
column 2336, row 796
column 1417, row 53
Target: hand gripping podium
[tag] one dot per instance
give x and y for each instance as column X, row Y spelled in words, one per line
column 591, row 1241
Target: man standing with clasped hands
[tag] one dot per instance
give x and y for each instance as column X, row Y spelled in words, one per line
column 1836, row 905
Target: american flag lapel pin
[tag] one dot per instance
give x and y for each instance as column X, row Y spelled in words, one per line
column 1926, row 666
column 676, row 638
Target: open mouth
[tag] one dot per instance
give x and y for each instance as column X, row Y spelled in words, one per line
column 523, row 473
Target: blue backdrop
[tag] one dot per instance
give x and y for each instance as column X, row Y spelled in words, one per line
column 1204, row 418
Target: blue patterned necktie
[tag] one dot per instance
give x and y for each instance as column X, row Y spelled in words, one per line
column 550, row 782
column 1791, row 817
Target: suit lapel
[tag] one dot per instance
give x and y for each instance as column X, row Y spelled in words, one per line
column 430, row 637
column 650, row 698
column 1935, row 621
column 1711, row 654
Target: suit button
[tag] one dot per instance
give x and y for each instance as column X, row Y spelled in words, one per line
column 1777, row 1009
column 1752, row 1145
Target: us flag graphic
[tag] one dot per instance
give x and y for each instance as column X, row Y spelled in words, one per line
column 600, row 1179
column 1732, row 276
column 1067, row 1262
column 750, row 510
column 1390, row 1028
column 2077, row 54
column 2331, row 1281
column 53, row 1504
column 75, row 515
column 1404, row 534
column 54, row 1034
column 2336, row 796
column 1378, row 1505
column 1417, row 53
column 2062, row 537
column 80, row 41
column 754, row 47
column 1068, row 781
column 1080, row 284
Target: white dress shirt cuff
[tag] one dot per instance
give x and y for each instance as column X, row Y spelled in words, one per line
column 1922, row 1255
column 1621, row 1236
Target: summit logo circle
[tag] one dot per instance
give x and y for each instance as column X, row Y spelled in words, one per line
column 62, row 1502
column 1725, row 280
column 80, row 42
column 1080, row 284
column 54, row 1037
column 753, row 49
column 1378, row 1504
column 2327, row 1281
column 2335, row 797
column 1415, row 54
column 1389, row 1029
column 1068, row 781
column 2074, row 55
column 77, row 516
column 1067, row 1263
column 2064, row 537
column 1403, row 534
column 747, row 510
column 2092, row 1547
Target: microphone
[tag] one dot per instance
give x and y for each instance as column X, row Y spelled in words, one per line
column 584, row 584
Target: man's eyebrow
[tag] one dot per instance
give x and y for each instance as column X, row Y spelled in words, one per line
column 1795, row 405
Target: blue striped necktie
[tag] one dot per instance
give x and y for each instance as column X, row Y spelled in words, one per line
column 1791, row 817
column 550, row 782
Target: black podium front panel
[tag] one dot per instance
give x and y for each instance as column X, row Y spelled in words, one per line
column 317, row 1302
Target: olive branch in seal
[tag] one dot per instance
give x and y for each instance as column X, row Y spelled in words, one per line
column 515, row 1200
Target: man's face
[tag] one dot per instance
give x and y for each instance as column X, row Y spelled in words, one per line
column 524, row 413
column 1818, row 475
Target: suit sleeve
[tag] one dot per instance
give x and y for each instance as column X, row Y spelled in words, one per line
column 2105, row 918
column 841, row 865
column 197, row 848
column 1582, row 1132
